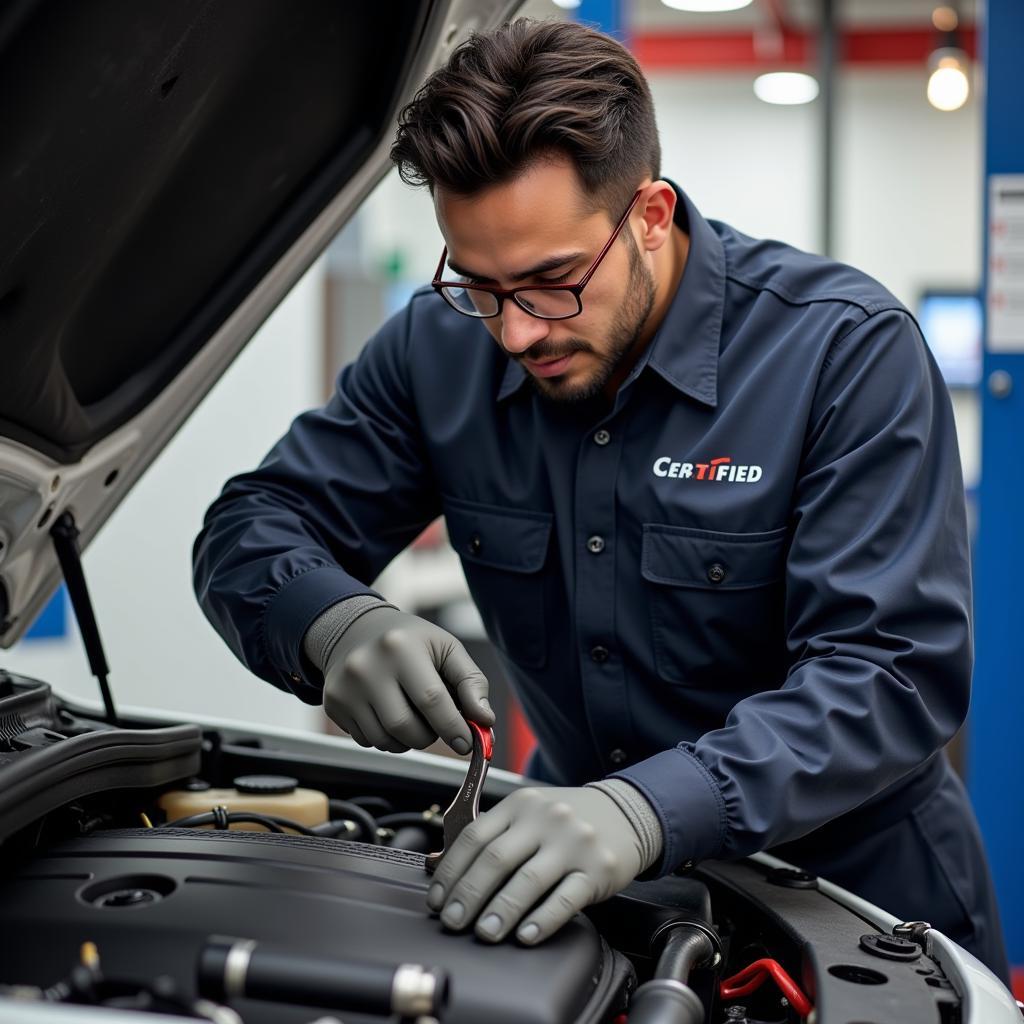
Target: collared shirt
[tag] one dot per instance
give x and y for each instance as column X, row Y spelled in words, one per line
column 743, row 586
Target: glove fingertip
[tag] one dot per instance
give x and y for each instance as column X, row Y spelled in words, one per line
column 484, row 713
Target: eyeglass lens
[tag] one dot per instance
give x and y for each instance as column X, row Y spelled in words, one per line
column 547, row 304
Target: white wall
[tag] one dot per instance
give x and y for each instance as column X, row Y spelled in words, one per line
column 161, row 651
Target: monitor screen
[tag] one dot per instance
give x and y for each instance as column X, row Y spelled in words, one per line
column 952, row 325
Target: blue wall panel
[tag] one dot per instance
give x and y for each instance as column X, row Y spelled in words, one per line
column 52, row 621
column 996, row 737
column 607, row 15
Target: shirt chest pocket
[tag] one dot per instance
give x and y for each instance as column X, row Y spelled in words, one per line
column 717, row 606
column 503, row 553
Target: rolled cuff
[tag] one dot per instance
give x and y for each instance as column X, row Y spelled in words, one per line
column 688, row 803
column 290, row 612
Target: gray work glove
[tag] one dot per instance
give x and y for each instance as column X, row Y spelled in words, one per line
column 575, row 842
column 395, row 681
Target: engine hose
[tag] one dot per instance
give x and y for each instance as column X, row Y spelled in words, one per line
column 348, row 809
column 221, row 819
column 374, row 804
column 233, row 968
column 667, row 998
column 685, row 947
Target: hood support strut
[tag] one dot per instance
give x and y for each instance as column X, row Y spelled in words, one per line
column 64, row 533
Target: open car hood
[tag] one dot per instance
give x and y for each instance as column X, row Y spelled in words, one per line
column 169, row 171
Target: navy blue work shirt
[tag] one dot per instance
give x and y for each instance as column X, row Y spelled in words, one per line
column 743, row 586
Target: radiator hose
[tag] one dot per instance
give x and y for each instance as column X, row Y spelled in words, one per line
column 667, row 998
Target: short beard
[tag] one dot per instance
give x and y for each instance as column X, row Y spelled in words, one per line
column 624, row 336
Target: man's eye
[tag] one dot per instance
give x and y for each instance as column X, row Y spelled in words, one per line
column 556, row 280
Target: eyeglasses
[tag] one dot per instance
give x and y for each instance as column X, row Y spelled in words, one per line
column 546, row 301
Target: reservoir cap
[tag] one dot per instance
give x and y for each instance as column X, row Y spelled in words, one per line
column 265, row 784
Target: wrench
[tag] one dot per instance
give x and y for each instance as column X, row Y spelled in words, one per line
column 466, row 805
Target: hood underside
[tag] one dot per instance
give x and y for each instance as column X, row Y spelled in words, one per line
column 169, row 170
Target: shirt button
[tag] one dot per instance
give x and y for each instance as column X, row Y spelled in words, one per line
column 602, row 437
column 599, row 654
column 617, row 756
column 295, row 677
column 595, row 545
column 716, row 573
column 475, row 544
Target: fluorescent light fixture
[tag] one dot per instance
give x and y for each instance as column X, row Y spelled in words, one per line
column 706, row 6
column 567, row 5
column 948, row 84
column 787, row 88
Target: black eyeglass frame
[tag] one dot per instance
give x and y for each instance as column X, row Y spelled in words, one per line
column 511, row 293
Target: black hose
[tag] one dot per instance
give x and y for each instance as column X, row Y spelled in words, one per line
column 373, row 804
column 333, row 829
column 667, row 998
column 269, row 821
column 349, row 809
column 231, row 968
column 685, row 948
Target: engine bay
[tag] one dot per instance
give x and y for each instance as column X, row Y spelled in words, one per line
column 236, row 875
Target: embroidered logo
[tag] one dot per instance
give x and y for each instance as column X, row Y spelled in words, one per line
column 720, row 470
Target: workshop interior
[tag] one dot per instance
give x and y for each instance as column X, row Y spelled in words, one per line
column 201, row 227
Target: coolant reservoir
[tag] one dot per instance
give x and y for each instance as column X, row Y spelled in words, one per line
column 262, row 794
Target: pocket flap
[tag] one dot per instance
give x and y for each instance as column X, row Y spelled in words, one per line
column 512, row 539
column 683, row 557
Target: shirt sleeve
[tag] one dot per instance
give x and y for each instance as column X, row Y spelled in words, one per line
column 878, row 617
column 347, row 487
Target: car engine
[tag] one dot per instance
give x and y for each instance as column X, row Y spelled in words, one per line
column 234, row 876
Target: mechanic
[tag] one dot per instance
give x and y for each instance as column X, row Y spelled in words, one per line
column 707, row 494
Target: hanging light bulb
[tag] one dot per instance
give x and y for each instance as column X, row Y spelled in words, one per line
column 945, row 18
column 948, row 84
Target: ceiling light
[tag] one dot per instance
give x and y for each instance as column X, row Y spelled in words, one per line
column 945, row 19
column 948, row 84
column 568, row 5
column 785, row 87
column 706, row 6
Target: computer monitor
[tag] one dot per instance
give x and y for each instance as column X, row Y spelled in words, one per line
column 952, row 325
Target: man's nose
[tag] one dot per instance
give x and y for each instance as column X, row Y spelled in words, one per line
column 519, row 330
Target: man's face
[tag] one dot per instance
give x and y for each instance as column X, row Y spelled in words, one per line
column 539, row 229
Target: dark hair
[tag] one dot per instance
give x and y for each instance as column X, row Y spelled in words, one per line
column 526, row 91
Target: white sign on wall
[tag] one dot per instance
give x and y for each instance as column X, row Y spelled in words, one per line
column 1006, row 263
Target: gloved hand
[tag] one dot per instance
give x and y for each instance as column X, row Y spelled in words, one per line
column 575, row 839
column 395, row 681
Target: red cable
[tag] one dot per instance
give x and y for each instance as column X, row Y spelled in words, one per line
column 754, row 975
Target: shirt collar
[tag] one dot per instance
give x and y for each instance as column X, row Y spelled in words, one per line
column 684, row 350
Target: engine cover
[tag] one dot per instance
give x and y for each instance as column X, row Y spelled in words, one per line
column 319, row 897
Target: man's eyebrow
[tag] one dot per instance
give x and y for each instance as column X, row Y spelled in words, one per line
column 551, row 263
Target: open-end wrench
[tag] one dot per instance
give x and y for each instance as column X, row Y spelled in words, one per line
column 466, row 805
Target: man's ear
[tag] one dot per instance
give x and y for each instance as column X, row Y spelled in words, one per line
column 657, row 205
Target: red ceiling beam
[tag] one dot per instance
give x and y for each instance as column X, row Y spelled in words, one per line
column 723, row 51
